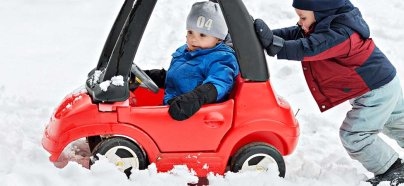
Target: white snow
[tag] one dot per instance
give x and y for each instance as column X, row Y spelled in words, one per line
column 117, row 80
column 49, row 46
column 104, row 85
column 96, row 76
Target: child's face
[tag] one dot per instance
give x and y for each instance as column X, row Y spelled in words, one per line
column 197, row 40
column 306, row 19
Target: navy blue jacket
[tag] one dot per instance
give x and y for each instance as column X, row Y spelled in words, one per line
column 339, row 59
column 189, row 69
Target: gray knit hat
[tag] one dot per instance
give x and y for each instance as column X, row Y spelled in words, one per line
column 206, row 17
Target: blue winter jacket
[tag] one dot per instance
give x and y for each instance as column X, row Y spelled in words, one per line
column 189, row 69
column 340, row 61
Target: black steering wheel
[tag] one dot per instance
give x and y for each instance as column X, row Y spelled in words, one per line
column 144, row 79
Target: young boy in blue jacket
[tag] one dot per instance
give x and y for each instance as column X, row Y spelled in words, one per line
column 341, row 62
column 204, row 69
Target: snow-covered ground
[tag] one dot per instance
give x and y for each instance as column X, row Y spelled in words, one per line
column 48, row 46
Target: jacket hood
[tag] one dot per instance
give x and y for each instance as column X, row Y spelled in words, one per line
column 347, row 15
column 198, row 52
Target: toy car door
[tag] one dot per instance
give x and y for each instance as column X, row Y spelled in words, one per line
column 201, row 132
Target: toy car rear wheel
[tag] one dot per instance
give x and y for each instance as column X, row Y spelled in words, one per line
column 258, row 157
column 125, row 154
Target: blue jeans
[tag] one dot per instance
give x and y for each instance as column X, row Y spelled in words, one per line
column 380, row 110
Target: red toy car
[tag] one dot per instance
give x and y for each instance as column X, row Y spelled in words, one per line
column 252, row 130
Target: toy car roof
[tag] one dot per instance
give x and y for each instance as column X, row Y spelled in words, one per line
column 124, row 38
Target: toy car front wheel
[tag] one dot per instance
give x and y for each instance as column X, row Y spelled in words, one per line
column 123, row 153
column 258, row 157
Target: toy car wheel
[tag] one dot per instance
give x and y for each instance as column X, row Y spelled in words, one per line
column 258, row 157
column 123, row 153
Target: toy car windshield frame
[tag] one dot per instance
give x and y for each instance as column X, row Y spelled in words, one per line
column 125, row 36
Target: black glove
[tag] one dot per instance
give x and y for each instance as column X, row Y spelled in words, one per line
column 184, row 106
column 158, row 76
column 264, row 33
column 273, row 44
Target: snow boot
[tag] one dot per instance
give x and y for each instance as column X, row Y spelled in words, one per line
column 395, row 175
